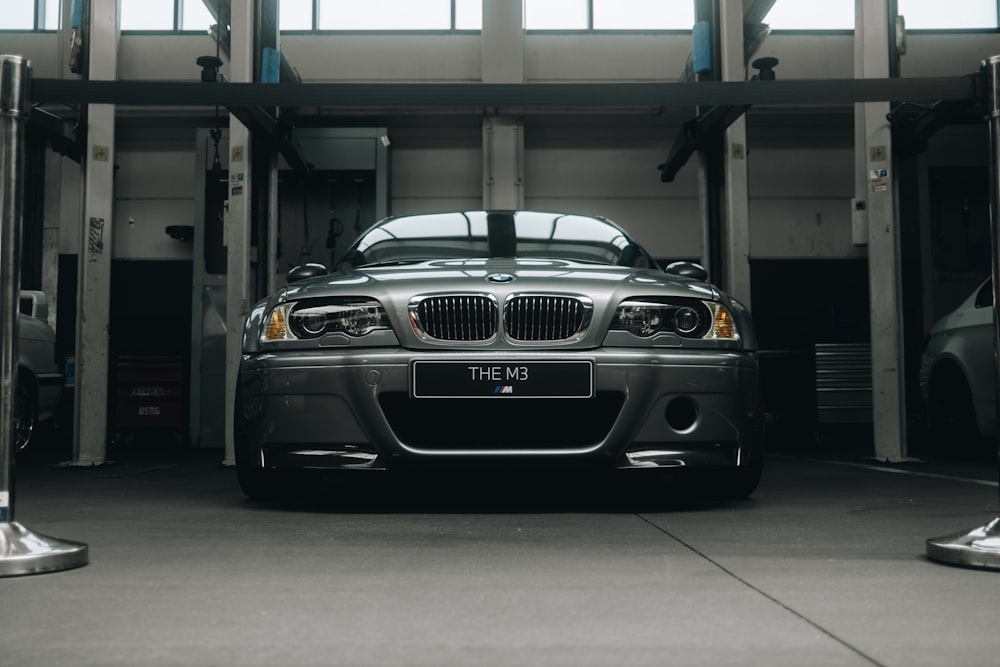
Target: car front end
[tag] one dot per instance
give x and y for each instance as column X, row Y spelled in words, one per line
column 499, row 361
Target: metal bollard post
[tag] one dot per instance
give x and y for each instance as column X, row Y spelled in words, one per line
column 980, row 547
column 21, row 550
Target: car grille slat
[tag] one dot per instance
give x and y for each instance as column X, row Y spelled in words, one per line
column 544, row 318
column 458, row 317
column 527, row 318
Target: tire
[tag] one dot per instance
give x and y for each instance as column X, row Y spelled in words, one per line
column 25, row 413
column 257, row 483
column 741, row 483
column 951, row 418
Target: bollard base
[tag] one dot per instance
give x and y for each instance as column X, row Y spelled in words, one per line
column 978, row 547
column 25, row 552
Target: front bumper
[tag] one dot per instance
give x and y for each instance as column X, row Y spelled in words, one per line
column 651, row 409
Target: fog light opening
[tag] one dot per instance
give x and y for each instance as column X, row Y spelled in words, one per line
column 681, row 414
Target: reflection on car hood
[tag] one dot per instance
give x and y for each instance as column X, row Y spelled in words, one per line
column 512, row 275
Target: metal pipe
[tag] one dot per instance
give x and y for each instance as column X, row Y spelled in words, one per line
column 21, row 551
column 991, row 76
column 14, row 75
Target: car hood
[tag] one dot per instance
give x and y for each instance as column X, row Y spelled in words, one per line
column 500, row 277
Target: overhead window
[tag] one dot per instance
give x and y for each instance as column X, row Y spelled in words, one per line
column 384, row 15
column 146, row 15
column 798, row 15
column 195, row 16
column 918, row 14
column 608, row 14
column 556, row 15
column 162, row 15
column 643, row 14
column 30, row 15
column 21, row 16
column 468, row 14
column 49, row 14
column 295, row 15
column 951, row 15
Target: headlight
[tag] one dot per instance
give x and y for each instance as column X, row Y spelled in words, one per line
column 304, row 320
column 689, row 318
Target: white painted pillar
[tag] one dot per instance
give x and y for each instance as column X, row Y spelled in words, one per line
column 736, row 251
column 237, row 224
column 875, row 185
column 90, row 432
column 503, row 136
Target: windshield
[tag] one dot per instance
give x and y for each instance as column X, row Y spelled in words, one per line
column 482, row 234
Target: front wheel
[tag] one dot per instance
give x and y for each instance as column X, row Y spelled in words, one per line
column 740, row 483
column 257, row 483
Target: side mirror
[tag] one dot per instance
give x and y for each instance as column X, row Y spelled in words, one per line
column 687, row 270
column 304, row 271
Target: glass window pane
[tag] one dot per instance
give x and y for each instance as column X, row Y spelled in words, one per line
column 643, row 14
column 385, row 15
column 17, row 16
column 147, row 14
column 798, row 15
column 468, row 14
column 295, row 15
column 937, row 15
column 50, row 15
column 195, row 16
column 555, row 15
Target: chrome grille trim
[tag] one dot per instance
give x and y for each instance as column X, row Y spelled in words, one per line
column 540, row 318
column 455, row 317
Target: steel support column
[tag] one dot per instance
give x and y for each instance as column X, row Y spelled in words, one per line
column 238, row 217
column 875, row 184
column 503, row 136
column 736, row 215
column 90, row 432
column 711, row 169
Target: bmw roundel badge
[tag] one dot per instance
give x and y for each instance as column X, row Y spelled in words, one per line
column 500, row 278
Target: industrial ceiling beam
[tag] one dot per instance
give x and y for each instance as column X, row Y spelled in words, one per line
column 526, row 97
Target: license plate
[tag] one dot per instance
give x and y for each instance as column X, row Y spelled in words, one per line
column 507, row 379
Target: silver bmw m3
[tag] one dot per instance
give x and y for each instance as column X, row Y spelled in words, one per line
column 497, row 339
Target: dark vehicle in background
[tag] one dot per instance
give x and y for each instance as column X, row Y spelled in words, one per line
column 958, row 377
column 39, row 380
column 500, row 340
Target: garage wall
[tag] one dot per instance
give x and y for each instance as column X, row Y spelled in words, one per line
column 154, row 188
column 611, row 171
column 800, row 192
column 434, row 169
column 801, row 208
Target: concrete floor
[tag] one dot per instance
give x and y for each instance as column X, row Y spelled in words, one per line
column 824, row 566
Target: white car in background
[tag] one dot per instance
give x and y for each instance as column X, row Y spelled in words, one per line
column 39, row 380
column 958, row 376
